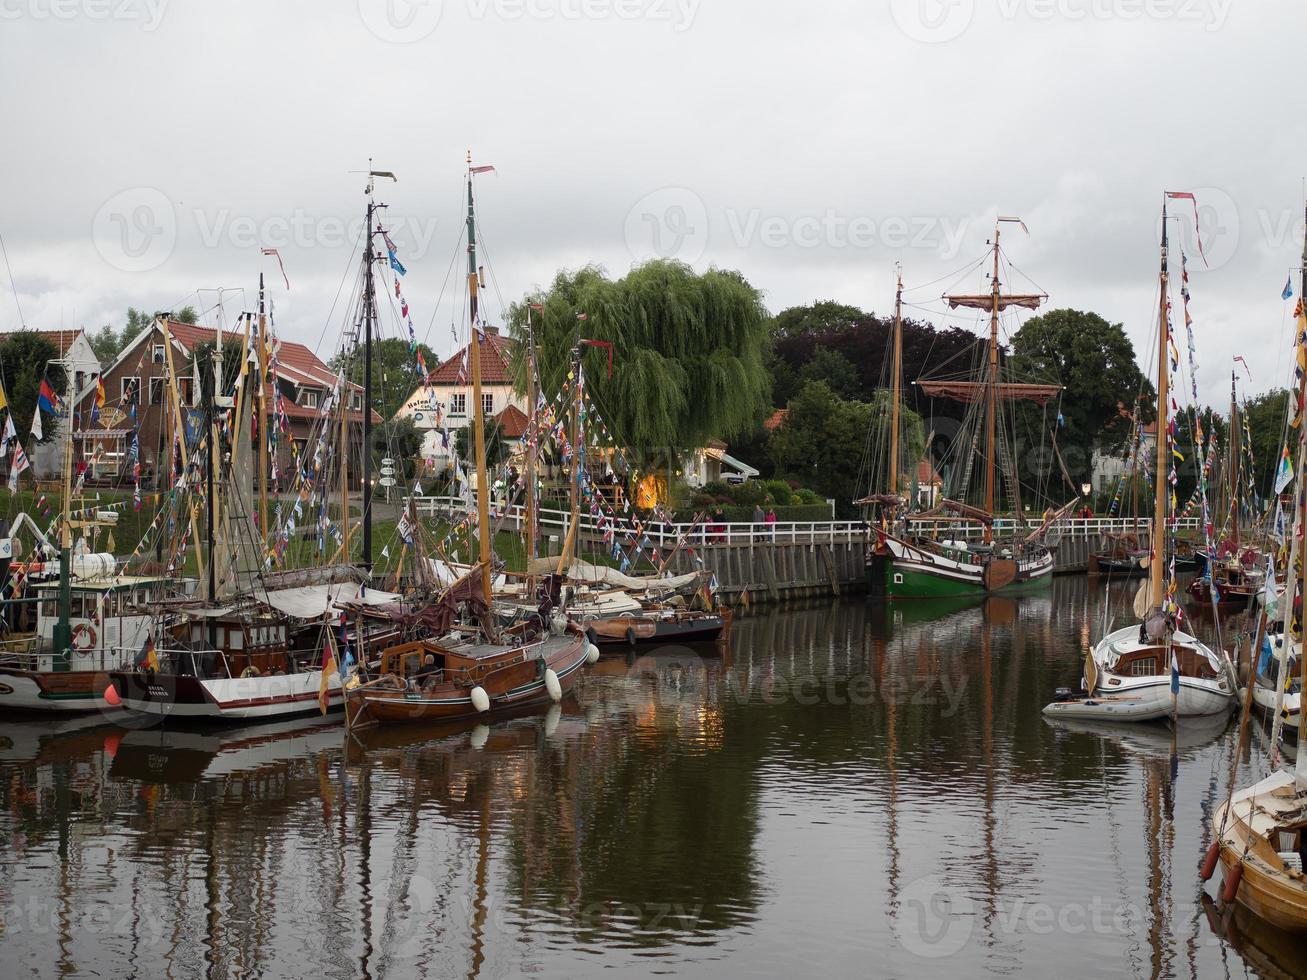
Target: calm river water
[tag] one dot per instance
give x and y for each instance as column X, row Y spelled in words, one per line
column 842, row 790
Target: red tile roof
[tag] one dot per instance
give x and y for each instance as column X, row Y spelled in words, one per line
column 775, row 420
column 512, row 422
column 496, row 363
column 63, row 339
column 927, row 475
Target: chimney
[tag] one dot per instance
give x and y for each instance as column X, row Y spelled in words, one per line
column 492, row 331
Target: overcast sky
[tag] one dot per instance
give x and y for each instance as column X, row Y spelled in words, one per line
column 151, row 147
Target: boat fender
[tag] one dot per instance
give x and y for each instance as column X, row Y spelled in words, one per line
column 1209, row 862
column 591, row 653
column 1232, row 879
column 480, row 699
column 111, row 696
column 554, row 688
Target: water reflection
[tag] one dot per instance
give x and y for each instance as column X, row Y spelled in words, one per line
column 842, row 788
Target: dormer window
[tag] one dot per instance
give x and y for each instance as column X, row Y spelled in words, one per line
column 158, row 354
column 309, row 398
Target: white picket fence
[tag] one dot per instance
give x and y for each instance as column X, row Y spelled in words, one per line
column 785, row 532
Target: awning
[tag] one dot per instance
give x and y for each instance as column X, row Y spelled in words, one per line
column 744, row 469
column 314, row 601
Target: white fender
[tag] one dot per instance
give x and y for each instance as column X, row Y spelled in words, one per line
column 480, row 699
column 591, row 654
column 554, row 688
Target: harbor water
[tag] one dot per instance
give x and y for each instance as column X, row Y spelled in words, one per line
column 840, row 789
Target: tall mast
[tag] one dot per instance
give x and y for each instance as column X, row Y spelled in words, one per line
column 369, row 310
column 533, row 438
column 1233, row 466
column 991, row 415
column 897, row 395
column 263, row 414
column 1157, row 567
column 478, row 420
column 1294, row 586
column 63, row 630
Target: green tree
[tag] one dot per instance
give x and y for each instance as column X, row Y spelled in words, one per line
column 1267, row 416
column 825, row 442
column 26, row 357
column 496, row 447
column 825, row 317
column 395, row 371
column 400, row 440
column 108, row 343
column 687, row 353
column 1094, row 362
column 832, row 367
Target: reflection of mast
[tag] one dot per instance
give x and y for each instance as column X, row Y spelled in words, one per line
column 987, row 750
column 479, row 898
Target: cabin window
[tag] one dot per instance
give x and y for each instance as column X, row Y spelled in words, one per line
column 1144, row 667
column 898, row 578
column 235, row 639
column 458, row 403
column 197, row 633
column 50, row 608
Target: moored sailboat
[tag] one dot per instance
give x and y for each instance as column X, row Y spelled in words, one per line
column 1154, row 670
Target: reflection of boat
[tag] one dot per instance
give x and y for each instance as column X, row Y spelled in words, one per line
column 1156, row 739
column 177, row 757
column 1272, row 953
column 1154, row 670
column 1121, row 557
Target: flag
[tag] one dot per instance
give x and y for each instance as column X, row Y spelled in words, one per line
column 328, row 668
column 37, row 432
column 395, row 263
column 1284, row 472
column 19, row 464
column 1288, row 288
column 1175, row 674
column 149, row 657
column 4, row 402
column 47, row 400
column 9, row 433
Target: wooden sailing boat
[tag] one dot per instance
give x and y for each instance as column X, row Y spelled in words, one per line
column 1234, row 573
column 1154, row 670
column 468, row 671
column 908, row 563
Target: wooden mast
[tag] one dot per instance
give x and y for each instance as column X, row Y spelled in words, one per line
column 897, row 395
column 991, row 414
column 533, row 439
column 1233, row 467
column 1294, row 585
column 478, row 421
column 1157, row 566
column 263, row 415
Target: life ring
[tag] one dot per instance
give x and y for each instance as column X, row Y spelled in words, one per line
column 250, row 671
column 84, row 637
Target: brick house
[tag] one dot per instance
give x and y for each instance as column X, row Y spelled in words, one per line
column 302, row 378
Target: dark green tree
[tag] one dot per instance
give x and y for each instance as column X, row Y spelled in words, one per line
column 687, row 353
column 400, row 440
column 826, row 443
column 395, row 371
column 496, row 447
column 1094, row 362
column 26, row 357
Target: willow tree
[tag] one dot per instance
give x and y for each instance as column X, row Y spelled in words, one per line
column 687, row 353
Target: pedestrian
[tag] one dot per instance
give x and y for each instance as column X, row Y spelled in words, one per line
column 771, row 521
column 757, row 513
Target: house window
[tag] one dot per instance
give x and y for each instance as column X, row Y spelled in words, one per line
column 79, row 381
column 309, row 398
column 487, row 405
column 458, row 403
column 355, row 402
column 158, row 353
column 156, row 391
column 129, row 387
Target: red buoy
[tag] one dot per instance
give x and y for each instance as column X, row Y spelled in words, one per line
column 111, row 695
column 1232, row 879
column 1209, row 862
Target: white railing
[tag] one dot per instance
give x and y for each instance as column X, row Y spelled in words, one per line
column 787, row 532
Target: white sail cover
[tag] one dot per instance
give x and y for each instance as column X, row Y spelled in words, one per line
column 314, row 601
column 583, row 571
